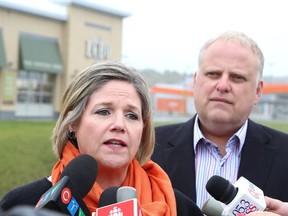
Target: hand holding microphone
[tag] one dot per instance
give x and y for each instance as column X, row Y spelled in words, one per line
column 276, row 206
column 240, row 199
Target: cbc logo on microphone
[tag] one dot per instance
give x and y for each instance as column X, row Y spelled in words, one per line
column 115, row 212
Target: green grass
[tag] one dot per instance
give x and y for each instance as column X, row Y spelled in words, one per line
column 278, row 125
column 26, row 151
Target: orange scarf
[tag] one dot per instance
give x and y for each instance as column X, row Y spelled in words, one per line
column 154, row 190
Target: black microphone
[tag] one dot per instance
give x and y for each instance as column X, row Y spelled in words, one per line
column 108, row 196
column 241, row 198
column 64, row 196
column 27, row 210
column 221, row 189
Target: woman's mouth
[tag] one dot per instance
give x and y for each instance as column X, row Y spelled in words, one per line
column 115, row 143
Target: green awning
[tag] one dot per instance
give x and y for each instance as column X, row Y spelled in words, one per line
column 40, row 54
column 2, row 51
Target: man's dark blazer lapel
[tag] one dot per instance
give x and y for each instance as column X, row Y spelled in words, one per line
column 181, row 149
column 257, row 155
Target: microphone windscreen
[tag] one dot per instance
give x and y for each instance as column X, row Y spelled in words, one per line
column 126, row 193
column 221, row 189
column 82, row 172
column 18, row 196
column 108, row 197
column 212, row 208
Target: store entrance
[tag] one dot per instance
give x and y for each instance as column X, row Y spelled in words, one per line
column 35, row 92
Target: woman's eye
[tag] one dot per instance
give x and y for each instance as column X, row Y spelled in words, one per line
column 132, row 116
column 103, row 112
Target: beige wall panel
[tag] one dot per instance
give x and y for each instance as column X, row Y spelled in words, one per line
column 13, row 23
column 85, row 25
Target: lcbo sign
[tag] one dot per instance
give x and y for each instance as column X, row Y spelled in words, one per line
column 96, row 49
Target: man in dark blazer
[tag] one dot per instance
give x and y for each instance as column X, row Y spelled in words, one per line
column 264, row 160
column 227, row 85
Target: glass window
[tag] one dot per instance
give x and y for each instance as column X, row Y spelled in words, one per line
column 35, row 87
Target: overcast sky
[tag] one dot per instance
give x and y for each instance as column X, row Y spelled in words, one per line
column 167, row 34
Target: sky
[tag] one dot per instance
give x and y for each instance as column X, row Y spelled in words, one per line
column 167, row 34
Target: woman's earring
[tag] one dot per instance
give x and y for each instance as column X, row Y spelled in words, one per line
column 72, row 138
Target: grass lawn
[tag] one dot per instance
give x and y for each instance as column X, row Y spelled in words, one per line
column 26, row 151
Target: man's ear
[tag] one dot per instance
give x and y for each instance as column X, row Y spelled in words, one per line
column 259, row 91
column 194, row 78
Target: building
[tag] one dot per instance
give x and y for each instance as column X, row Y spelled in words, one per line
column 175, row 102
column 44, row 44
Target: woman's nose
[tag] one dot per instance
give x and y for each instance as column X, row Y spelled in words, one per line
column 118, row 123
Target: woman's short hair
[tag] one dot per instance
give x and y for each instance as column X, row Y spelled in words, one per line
column 83, row 85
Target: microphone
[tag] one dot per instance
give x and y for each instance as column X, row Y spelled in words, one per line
column 212, row 207
column 242, row 199
column 64, row 196
column 108, row 197
column 27, row 210
column 126, row 193
column 126, row 202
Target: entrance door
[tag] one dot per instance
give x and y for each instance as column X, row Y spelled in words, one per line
column 35, row 94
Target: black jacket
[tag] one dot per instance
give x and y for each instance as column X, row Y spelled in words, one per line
column 264, row 159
